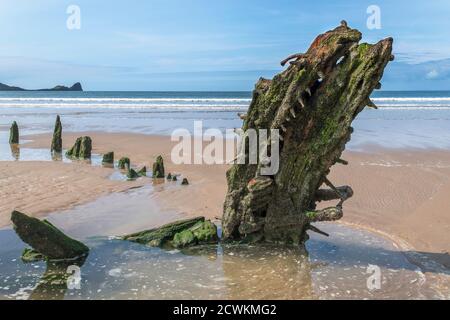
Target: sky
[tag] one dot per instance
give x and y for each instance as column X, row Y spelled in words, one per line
column 166, row 45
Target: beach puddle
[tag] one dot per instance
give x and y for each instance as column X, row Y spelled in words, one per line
column 22, row 153
column 350, row 264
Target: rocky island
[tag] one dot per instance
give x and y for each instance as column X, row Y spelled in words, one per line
column 76, row 87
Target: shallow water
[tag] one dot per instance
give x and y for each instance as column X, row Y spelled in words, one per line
column 395, row 124
column 337, row 267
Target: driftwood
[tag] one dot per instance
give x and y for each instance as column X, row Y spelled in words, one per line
column 312, row 103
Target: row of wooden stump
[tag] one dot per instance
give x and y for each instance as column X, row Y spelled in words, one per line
column 82, row 149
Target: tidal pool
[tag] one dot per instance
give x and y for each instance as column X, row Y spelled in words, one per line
column 344, row 266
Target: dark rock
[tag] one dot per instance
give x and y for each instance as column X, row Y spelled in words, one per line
column 163, row 235
column 158, row 168
column 14, row 133
column 46, row 239
column 169, row 176
column 174, row 178
column 124, row 163
column 108, row 158
column 81, row 149
column 185, row 182
column 57, row 136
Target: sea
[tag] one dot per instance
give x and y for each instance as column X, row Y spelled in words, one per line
column 405, row 119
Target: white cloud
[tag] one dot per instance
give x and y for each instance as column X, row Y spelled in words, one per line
column 433, row 74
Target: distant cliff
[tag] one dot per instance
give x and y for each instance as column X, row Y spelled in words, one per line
column 75, row 87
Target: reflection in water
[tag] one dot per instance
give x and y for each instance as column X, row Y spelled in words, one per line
column 57, row 156
column 336, row 267
column 108, row 165
column 267, row 273
column 118, row 269
column 15, row 151
column 56, row 280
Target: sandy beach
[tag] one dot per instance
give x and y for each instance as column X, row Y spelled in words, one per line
column 402, row 193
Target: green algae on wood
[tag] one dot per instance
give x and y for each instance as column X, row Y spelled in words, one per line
column 312, row 103
column 14, row 133
column 142, row 172
column 108, row 158
column 124, row 163
column 82, row 148
column 204, row 232
column 164, row 235
column 56, row 145
column 46, row 239
column 132, row 174
column 158, row 168
column 31, row 255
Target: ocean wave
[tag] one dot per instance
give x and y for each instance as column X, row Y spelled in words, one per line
column 113, row 100
column 402, row 99
column 414, row 107
column 223, row 107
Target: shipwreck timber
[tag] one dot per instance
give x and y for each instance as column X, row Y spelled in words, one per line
column 312, row 104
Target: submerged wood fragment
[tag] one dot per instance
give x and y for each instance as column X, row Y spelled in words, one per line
column 46, row 239
column 178, row 234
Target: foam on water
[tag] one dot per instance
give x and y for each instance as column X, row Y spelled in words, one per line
column 404, row 119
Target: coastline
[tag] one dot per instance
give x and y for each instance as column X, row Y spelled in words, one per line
column 396, row 191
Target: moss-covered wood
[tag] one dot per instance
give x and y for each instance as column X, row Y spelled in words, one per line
column 57, row 136
column 31, row 255
column 203, row 232
column 312, row 104
column 158, row 168
column 46, row 239
column 108, row 158
column 81, row 149
column 178, row 234
column 14, row 133
column 132, row 174
column 124, row 163
column 142, row 172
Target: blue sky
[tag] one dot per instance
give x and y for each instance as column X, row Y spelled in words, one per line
column 206, row 45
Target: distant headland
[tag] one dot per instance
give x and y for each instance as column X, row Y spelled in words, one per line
column 75, row 87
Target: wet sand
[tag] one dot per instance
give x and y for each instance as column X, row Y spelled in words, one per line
column 403, row 193
column 337, row 267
